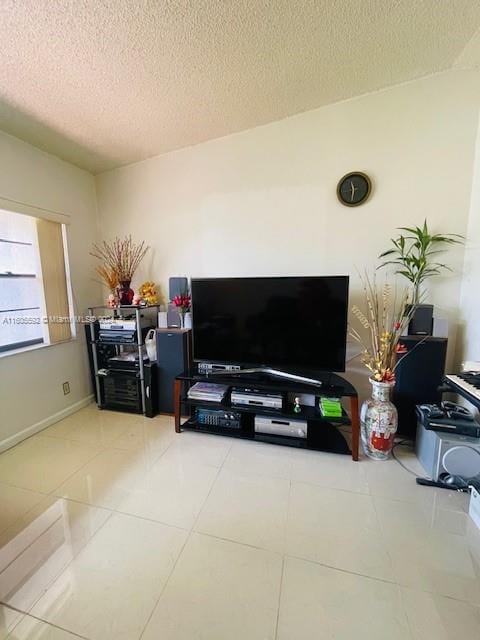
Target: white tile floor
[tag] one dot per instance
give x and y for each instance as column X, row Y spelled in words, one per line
column 113, row 527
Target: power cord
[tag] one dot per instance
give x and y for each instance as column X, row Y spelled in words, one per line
column 399, row 444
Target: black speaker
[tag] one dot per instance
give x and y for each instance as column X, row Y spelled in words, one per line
column 177, row 287
column 173, row 358
column 421, row 323
column 104, row 352
column 418, row 376
column 151, row 389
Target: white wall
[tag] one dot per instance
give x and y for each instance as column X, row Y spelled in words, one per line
column 263, row 202
column 470, row 295
column 31, row 382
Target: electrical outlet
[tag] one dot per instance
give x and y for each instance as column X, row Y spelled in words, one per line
column 66, row 388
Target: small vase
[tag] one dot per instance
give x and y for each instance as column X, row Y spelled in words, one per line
column 188, row 320
column 181, row 315
column 379, row 421
column 125, row 294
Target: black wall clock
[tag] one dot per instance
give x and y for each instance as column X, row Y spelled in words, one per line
column 354, row 188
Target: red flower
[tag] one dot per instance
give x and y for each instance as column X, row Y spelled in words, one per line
column 397, row 325
column 182, row 302
column 401, row 348
column 389, row 376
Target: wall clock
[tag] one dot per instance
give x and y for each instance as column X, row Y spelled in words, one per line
column 354, row 188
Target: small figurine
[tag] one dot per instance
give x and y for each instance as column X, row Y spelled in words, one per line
column 112, row 301
column 137, row 300
column 297, row 408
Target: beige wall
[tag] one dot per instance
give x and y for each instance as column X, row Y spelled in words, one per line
column 470, row 295
column 31, row 382
column 263, row 202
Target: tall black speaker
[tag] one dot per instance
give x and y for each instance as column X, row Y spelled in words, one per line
column 173, row 358
column 418, row 376
column 104, row 352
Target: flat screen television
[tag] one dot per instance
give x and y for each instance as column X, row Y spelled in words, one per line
column 289, row 323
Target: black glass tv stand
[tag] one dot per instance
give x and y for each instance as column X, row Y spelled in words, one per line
column 323, row 432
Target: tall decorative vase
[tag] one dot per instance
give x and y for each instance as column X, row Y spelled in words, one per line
column 188, row 320
column 125, row 294
column 182, row 319
column 379, row 421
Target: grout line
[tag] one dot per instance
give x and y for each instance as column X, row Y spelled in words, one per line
column 29, row 615
column 242, row 544
column 347, row 571
column 279, row 597
column 219, row 469
column 189, row 535
column 52, row 581
column 123, row 513
column 405, row 613
column 187, row 538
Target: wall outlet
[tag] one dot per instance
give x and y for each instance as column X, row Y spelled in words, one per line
column 66, row 388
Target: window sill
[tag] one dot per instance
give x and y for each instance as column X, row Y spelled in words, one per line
column 34, row 347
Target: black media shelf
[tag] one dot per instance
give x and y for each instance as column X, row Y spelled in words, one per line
column 307, row 413
column 325, row 437
column 323, row 433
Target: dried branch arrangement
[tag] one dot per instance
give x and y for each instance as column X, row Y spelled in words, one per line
column 120, row 258
column 108, row 276
column 384, row 320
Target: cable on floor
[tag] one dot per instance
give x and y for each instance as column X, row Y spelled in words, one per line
column 403, row 443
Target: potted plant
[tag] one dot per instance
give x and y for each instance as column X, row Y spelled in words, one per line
column 121, row 257
column 381, row 325
column 414, row 255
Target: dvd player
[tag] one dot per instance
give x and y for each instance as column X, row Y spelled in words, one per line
column 256, row 398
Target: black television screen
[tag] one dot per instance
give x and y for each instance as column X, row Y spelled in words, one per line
column 287, row 322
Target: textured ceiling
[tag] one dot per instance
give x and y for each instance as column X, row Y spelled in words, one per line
column 103, row 83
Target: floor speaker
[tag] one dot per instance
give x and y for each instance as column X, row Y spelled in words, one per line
column 419, row 373
column 151, row 389
column 104, row 352
column 173, row 358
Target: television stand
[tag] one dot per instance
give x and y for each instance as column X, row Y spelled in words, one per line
column 269, row 372
column 322, row 432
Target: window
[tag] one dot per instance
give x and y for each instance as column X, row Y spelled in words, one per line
column 34, row 291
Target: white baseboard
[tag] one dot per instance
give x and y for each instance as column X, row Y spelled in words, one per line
column 11, row 441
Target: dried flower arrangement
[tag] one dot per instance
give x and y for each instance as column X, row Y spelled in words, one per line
column 386, row 317
column 120, row 257
column 108, row 276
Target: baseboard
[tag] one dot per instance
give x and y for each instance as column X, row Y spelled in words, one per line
column 11, row 441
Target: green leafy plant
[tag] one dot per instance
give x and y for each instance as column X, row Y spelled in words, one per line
column 413, row 255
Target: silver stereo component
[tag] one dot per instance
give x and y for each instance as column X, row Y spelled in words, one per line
column 209, row 367
column 291, row 428
column 117, row 324
column 256, row 398
column 447, row 453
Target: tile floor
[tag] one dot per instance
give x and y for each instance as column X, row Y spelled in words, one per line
column 112, row 527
